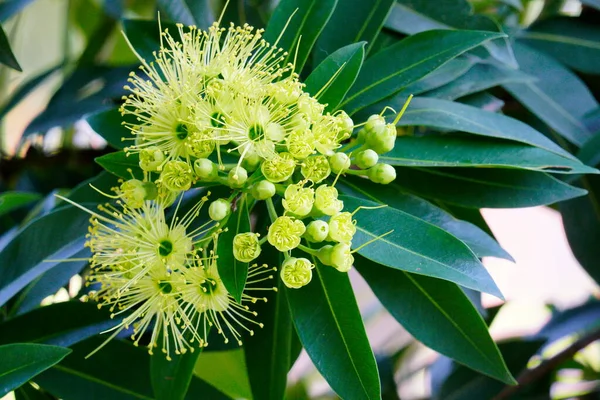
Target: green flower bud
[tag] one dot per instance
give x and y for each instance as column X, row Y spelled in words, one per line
column 237, row 177
column 251, row 161
column 326, row 200
column 361, row 136
column 151, row 159
column 316, row 231
column 366, row 159
column 339, row 162
column 263, row 190
column 324, row 254
column 382, row 173
column 296, row 272
column 341, row 257
column 384, row 141
column 375, row 124
column 206, row 170
column 342, row 227
column 219, row 209
column 345, row 123
column 176, row 175
column 298, row 200
column 316, row 168
column 151, row 190
column 284, row 234
column 279, row 168
column 133, row 193
column 246, row 247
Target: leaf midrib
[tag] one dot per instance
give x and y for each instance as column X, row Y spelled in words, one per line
column 553, row 37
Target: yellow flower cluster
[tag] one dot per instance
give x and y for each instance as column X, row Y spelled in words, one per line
column 217, row 107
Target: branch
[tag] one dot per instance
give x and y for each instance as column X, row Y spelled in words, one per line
column 531, row 375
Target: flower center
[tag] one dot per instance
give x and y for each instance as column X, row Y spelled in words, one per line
column 165, row 287
column 181, row 131
column 207, row 286
column 165, row 247
column 217, row 120
column 256, row 132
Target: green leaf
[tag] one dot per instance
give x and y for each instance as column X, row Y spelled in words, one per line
column 121, row 164
column 233, row 273
column 268, row 375
column 464, row 384
column 570, row 40
column 108, row 124
column 188, row 12
column 144, row 36
column 37, row 242
column 225, row 370
column 445, row 74
column 427, row 306
column 581, row 216
column 483, row 100
column 409, row 60
column 171, row 378
column 452, row 116
column 482, row 244
column 23, row 361
column 60, row 324
column 352, row 21
column 6, row 55
column 119, row 371
column 427, row 250
column 479, row 78
column 471, row 151
column 10, row 201
column 330, row 327
column 346, row 63
column 479, row 188
column 561, row 107
column 305, row 19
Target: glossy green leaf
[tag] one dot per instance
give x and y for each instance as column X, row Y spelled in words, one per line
column 10, row 201
column 121, row 164
column 561, row 107
column 23, row 361
column 60, row 324
column 330, row 327
column 452, row 116
column 352, row 21
column 492, row 188
column 472, row 151
column 268, row 375
column 581, row 216
column 188, row 12
column 24, row 258
column 120, row 371
column 445, row 74
column 108, row 124
column 233, row 273
column 416, row 246
column 226, row 371
column 426, row 306
column 345, row 65
column 144, row 36
column 6, row 54
column 570, row 40
column 414, row 16
column 85, row 193
column 305, row 20
column 483, row 100
column 171, row 378
column 464, row 384
column 392, row 69
column 479, row 78
column 482, row 244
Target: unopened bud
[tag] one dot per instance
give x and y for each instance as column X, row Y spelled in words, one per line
column 219, row 209
column 382, row 173
column 316, row 231
column 366, row 159
column 339, row 162
column 205, row 169
column 237, row 177
column 263, row 190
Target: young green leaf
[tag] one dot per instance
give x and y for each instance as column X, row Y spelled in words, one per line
column 226, row 371
column 336, row 74
column 493, row 188
column 303, row 21
column 330, row 327
column 427, row 250
column 188, row 12
column 121, row 164
column 397, row 66
column 23, row 361
column 10, row 201
column 426, row 306
column 171, row 378
column 472, row 151
column 108, row 124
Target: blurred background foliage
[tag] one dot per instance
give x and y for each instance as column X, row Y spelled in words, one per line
column 67, row 59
